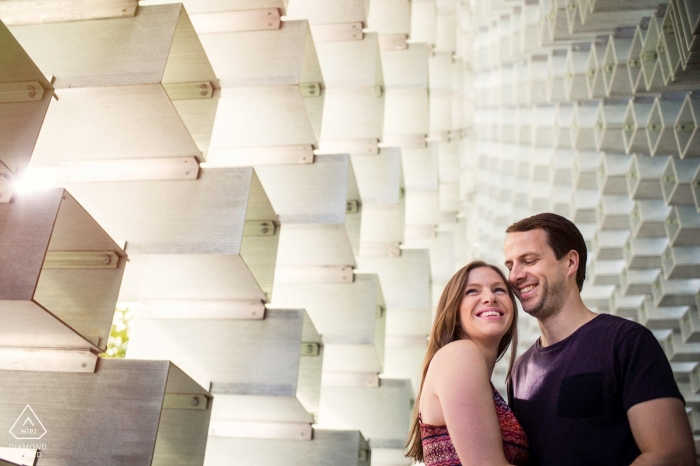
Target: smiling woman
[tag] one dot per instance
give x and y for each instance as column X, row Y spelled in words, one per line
column 459, row 418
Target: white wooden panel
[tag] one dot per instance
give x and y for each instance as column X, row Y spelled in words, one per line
column 245, row 358
column 351, row 113
column 138, row 55
column 382, row 230
column 382, row 413
column 246, row 118
column 351, row 63
column 323, row 12
column 423, row 22
column 174, row 217
column 345, row 314
column 213, row 6
column 390, row 16
column 308, row 193
column 303, row 245
column 20, row 121
column 189, row 277
column 406, row 68
column 259, row 58
column 420, row 167
column 141, row 123
column 379, row 177
column 329, row 447
column 405, row 280
column 406, row 112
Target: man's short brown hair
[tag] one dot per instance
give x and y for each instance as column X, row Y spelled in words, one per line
column 562, row 236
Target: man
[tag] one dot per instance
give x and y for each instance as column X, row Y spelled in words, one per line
column 595, row 389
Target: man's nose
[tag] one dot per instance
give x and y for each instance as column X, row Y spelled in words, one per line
column 516, row 273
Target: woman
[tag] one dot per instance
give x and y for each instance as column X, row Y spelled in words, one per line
column 459, row 418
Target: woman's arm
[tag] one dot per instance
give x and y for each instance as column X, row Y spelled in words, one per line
column 460, row 381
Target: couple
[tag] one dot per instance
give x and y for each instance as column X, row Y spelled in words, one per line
column 595, row 389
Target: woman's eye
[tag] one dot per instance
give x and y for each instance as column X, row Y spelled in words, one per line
column 501, row 290
column 468, row 292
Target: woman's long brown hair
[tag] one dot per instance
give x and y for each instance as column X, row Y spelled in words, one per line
column 446, row 330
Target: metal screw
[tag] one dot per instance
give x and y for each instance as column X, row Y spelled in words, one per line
column 194, row 401
column 32, row 91
column 84, row 365
column 265, row 230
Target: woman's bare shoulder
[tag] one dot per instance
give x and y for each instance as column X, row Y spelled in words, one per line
column 460, row 354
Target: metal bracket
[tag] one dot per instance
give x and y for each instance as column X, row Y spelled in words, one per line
column 207, row 309
column 364, row 455
column 270, row 155
column 263, row 19
column 188, row 91
column 47, row 360
column 260, row 429
column 338, row 32
column 310, row 348
column 260, row 228
column 310, row 89
column 352, row 206
column 6, row 186
column 404, row 141
column 363, row 146
column 81, row 260
column 312, row 274
column 30, row 91
column 151, row 169
column 393, row 41
column 380, row 249
column 379, row 314
column 185, row 401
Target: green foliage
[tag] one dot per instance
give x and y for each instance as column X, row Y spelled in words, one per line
column 119, row 334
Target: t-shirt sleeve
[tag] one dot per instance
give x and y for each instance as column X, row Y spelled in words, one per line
column 644, row 370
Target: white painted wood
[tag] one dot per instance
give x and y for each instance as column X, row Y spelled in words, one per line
column 351, row 63
column 336, row 447
column 390, row 16
column 314, row 245
column 246, row 115
column 379, row 178
column 21, row 121
column 323, row 12
column 351, row 113
column 237, row 21
column 406, row 68
column 314, row 193
column 382, row 413
column 15, row 12
column 263, row 58
column 213, row 6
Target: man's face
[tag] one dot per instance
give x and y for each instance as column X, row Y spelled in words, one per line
column 538, row 277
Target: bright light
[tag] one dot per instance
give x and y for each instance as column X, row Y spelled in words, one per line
column 37, row 179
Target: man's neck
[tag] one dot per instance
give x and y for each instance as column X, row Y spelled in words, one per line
column 561, row 325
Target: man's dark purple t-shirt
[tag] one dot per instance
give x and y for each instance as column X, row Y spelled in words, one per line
column 572, row 397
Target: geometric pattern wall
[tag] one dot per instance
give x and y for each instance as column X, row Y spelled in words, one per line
column 279, row 190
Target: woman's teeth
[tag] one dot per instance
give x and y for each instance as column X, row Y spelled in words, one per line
column 490, row 314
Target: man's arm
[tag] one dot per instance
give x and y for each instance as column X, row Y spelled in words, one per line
column 662, row 432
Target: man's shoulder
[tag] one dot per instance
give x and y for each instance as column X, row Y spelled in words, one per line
column 616, row 326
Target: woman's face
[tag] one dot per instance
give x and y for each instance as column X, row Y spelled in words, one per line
column 486, row 311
